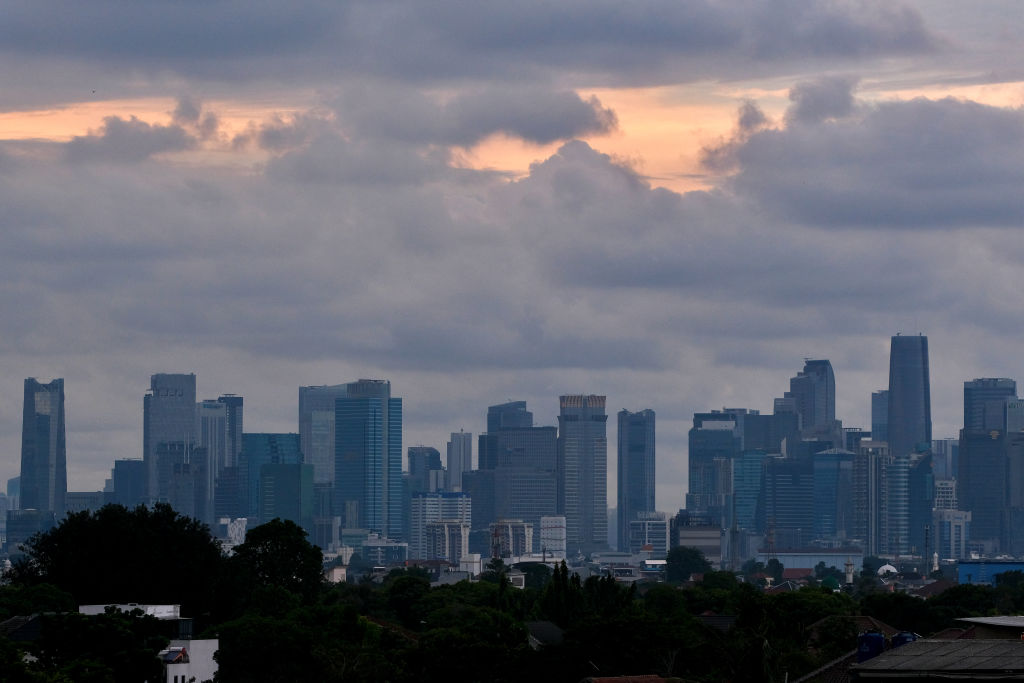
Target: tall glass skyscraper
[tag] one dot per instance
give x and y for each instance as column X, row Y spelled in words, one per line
column 168, row 417
column 583, row 471
column 636, row 469
column 910, row 408
column 368, row 457
column 44, row 468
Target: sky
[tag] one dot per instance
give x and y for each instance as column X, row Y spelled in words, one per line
column 668, row 203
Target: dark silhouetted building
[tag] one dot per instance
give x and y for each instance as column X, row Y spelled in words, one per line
column 44, row 468
column 286, row 492
column 583, row 471
column 880, row 415
column 129, row 483
column 258, row 450
column 910, row 411
column 636, row 470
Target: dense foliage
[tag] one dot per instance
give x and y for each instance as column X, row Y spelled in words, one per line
column 277, row 620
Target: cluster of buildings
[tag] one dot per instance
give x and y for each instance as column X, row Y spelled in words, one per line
column 797, row 480
column 535, row 490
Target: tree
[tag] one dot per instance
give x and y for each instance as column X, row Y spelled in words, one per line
column 278, row 554
column 682, row 561
column 116, row 555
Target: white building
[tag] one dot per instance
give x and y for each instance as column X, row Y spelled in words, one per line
column 430, row 507
column 552, row 537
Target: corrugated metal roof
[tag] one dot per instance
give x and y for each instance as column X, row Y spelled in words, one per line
column 949, row 656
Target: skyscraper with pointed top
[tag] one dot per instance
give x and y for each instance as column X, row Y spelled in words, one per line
column 910, row 408
column 44, row 469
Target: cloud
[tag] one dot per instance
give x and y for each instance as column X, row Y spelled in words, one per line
column 826, row 98
column 127, row 140
column 122, row 50
column 534, row 113
column 920, row 164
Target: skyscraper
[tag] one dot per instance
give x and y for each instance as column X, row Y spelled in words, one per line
column 910, row 408
column 636, row 469
column 460, row 458
column 316, row 428
column 583, row 471
column 518, row 471
column 814, row 393
column 368, row 457
column 168, row 417
column 44, row 468
column 985, row 403
column 234, row 408
column 880, row 415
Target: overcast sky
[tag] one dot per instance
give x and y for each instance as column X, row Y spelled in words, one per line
column 670, row 203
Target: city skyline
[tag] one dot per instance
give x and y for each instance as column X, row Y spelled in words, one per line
column 669, row 204
column 672, row 500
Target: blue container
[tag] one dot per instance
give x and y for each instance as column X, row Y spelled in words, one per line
column 870, row 644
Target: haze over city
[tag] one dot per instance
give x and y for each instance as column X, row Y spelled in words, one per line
column 672, row 205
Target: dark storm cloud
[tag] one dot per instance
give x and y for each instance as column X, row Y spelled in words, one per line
column 127, row 140
column 533, row 113
column 917, row 164
column 231, row 43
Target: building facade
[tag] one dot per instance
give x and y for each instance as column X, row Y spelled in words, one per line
column 583, row 471
column 910, row 412
column 44, row 468
column 636, row 469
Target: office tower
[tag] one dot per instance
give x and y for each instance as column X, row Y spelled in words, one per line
column 233, row 415
column 945, row 458
column 910, row 412
column 261, row 449
column 833, row 504
column 168, row 417
column 583, row 471
column 286, row 492
column 952, row 533
column 518, row 476
column 814, row 394
column 880, row 415
column 44, row 467
column 747, row 480
column 985, row 481
column 368, row 457
column 460, row 459
column 434, row 507
column 636, row 469
column 511, row 415
column 425, row 469
column 212, row 435
column 921, row 502
column 945, row 495
column 787, row 499
column 316, row 428
column 715, row 439
column 769, row 433
column 985, row 403
column 129, row 483
column 852, row 436
column 870, row 501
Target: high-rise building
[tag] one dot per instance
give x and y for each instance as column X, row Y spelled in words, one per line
column 44, row 468
column 518, row 471
column 715, row 440
column 649, row 530
column 985, row 403
column 583, row 471
column 168, row 417
column 368, row 457
column 433, row 507
column 880, row 415
column 814, row 393
column 234, row 408
column 286, row 492
column 261, row 449
column 316, row 428
column 460, row 458
column 910, row 411
column 425, row 468
column 636, row 470
column 129, row 483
